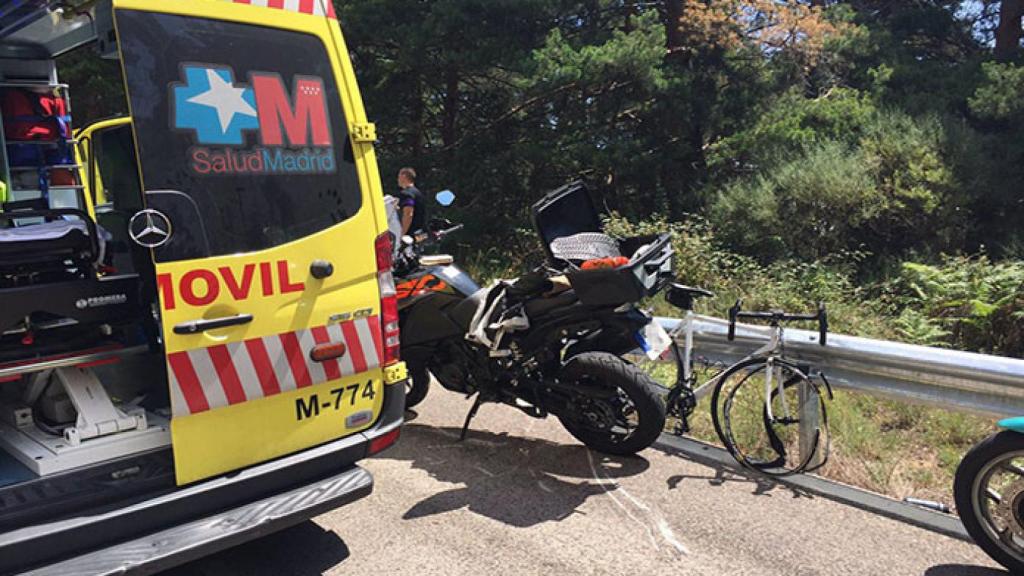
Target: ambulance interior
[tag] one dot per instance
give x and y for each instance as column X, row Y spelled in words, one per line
column 84, row 409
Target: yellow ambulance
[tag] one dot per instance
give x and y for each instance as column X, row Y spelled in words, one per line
column 198, row 326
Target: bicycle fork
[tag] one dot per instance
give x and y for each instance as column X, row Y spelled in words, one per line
column 773, row 379
column 770, row 379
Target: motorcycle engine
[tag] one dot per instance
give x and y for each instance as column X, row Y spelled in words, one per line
column 451, row 367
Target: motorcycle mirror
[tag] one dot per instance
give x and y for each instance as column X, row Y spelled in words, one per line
column 445, row 197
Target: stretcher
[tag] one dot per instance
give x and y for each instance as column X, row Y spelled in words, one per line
column 60, row 317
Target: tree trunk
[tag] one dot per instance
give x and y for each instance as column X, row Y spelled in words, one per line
column 416, row 117
column 673, row 171
column 1008, row 33
column 449, row 129
column 673, row 35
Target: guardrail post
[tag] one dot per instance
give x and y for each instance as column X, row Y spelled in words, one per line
column 810, row 423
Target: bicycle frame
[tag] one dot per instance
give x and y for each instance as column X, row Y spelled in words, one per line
column 684, row 360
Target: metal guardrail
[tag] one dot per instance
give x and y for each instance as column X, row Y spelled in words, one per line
column 961, row 381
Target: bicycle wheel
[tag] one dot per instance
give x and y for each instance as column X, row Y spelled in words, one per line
column 758, row 410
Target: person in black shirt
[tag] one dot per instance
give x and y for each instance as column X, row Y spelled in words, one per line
column 412, row 209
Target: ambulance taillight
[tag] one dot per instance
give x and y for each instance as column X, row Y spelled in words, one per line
column 388, row 300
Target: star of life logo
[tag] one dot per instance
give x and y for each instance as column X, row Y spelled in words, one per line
column 292, row 127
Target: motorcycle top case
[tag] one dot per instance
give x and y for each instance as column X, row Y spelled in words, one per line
column 568, row 211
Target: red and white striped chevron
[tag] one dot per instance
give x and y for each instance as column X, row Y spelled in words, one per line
column 315, row 7
column 209, row 378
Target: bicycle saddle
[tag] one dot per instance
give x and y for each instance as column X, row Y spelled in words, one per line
column 682, row 296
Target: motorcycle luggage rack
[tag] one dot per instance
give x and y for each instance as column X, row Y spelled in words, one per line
column 649, row 269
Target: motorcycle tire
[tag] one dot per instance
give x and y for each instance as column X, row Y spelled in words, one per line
column 969, row 495
column 419, row 385
column 604, row 369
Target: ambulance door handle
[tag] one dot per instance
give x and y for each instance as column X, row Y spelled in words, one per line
column 196, row 326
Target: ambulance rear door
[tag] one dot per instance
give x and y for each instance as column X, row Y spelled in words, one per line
column 261, row 225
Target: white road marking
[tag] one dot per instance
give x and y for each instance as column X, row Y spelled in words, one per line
column 485, row 471
column 605, row 482
column 654, row 521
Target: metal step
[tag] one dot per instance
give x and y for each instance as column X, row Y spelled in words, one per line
column 181, row 544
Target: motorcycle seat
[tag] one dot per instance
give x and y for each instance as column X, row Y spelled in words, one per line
column 464, row 311
column 538, row 307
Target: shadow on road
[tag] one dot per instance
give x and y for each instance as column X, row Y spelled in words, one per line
column 300, row 550
column 519, row 481
column 727, row 473
column 963, row 570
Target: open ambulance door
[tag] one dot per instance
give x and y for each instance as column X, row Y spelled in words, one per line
column 261, row 227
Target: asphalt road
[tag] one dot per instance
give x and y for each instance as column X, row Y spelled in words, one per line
column 520, row 496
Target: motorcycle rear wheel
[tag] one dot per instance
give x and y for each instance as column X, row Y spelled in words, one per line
column 626, row 417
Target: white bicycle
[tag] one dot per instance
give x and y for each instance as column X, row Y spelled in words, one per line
column 759, row 403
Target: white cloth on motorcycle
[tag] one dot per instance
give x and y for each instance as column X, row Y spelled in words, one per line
column 495, row 317
column 509, row 305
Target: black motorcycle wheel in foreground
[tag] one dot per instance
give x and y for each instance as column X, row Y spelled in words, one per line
column 550, row 342
column 989, row 495
column 620, row 409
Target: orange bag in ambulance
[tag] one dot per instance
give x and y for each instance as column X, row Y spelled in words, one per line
column 241, row 206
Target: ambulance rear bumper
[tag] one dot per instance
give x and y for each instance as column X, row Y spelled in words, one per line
column 212, row 534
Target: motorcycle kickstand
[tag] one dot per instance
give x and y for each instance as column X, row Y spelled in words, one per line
column 469, row 417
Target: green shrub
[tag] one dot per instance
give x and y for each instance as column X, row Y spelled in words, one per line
column 808, row 208
column 794, row 123
column 969, row 303
column 998, row 98
column 889, row 191
column 701, row 260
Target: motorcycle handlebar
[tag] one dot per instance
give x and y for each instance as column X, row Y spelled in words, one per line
column 429, row 237
column 777, row 316
column 409, row 254
column 447, row 231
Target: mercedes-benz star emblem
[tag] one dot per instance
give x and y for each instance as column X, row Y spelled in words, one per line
column 150, row 228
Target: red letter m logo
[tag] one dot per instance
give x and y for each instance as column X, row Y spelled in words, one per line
column 307, row 117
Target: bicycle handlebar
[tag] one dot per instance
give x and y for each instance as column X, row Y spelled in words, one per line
column 776, row 317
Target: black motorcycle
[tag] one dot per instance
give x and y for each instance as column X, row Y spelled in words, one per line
column 549, row 342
